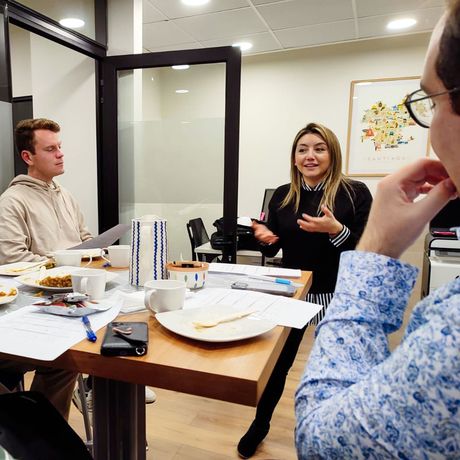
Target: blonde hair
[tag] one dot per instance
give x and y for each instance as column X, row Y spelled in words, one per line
column 333, row 178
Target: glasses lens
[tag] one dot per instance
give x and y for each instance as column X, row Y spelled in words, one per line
column 422, row 107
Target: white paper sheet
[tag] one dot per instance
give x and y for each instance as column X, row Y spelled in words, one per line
column 279, row 310
column 31, row 333
column 105, row 239
column 254, row 270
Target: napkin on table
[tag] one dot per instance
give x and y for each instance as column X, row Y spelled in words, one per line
column 131, row 301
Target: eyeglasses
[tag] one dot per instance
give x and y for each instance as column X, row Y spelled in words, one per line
column 420, row 105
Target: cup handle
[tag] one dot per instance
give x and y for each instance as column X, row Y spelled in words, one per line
column 89, row 261
column 102, row 255
column 148, row 299
column 83, row 285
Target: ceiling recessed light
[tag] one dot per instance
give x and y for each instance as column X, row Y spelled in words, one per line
column 181, row 67
column 244, row 46
column 181, row 91
column 403, row 23
column 364, row 83
column 194, row 2
column 72, row 23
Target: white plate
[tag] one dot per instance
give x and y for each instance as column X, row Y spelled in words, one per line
column 26, row 267
column 181, row 322
column 7, row 298
column 32, row 280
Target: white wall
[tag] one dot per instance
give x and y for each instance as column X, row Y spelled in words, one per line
column 124, row 27
column 62, row 83
column 282, row 92
column 21, row 73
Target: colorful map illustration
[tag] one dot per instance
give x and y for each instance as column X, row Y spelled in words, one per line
column 385, row 126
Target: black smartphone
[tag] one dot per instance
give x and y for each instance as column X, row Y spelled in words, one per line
column 125, row 338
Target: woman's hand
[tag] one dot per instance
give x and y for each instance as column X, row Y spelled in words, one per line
column 396, row 219
column 324, row 224
column 263, row 234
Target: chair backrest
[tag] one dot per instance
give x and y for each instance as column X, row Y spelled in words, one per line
column 32, row 429
column 197, row 234
column 267, row 197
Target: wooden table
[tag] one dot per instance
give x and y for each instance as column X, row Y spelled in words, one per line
column 235, row 372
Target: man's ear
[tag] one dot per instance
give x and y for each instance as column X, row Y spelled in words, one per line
column 27, row 157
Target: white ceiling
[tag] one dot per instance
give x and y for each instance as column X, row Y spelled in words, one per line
column 277, row 24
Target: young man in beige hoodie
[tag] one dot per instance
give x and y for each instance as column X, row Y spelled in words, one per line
column 38, row 215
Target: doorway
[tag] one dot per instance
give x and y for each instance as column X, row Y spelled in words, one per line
column 170, row 139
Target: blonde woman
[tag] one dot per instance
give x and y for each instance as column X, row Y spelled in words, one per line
column 313, row 219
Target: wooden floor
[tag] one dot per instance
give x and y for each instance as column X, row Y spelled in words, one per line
column 185, row 427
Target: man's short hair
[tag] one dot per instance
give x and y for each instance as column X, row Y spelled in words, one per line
column 24, row 132
column 448, row 61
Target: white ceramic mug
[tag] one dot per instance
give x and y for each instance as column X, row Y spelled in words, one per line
column 164, row 295
column 118, row 255
column 89, row 281
column 70, row 257
column 193, row 273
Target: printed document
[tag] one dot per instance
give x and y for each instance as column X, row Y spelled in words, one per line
column 34, row 334
column 277, row 309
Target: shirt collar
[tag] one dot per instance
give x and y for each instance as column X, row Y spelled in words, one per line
column 318, row 186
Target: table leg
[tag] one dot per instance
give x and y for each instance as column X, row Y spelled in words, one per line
column 118, row 420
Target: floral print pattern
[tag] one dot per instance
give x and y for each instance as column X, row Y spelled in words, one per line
column 358, row 400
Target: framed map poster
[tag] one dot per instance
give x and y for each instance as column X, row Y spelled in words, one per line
column 382, row 137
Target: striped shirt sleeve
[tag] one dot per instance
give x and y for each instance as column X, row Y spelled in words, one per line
column 341, row 237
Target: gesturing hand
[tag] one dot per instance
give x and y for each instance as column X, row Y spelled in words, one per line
column 324, row 224
column 263, row 234
column 396, row 219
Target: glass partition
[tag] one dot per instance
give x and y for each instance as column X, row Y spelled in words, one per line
column 82, row 10
column 171, row 126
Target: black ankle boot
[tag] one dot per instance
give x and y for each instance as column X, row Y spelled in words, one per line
column 250, row 441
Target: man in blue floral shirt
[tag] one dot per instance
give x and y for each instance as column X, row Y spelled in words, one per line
column 356, row 399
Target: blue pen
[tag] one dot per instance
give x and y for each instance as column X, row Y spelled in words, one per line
column 92, row 337
column 275, row 280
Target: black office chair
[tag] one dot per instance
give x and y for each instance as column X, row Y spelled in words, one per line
column 198, row 236
column 14, row 382
column 32, row 429
column 267, row 197
column 264, row 217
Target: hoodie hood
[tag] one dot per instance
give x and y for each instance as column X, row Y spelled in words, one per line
column 28, row 181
